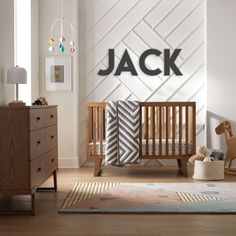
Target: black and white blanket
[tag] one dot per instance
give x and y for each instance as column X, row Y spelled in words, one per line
column 122, row 133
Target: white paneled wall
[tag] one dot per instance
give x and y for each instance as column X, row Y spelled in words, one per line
column 7, row 50
column 67, row 101
column 138, row 25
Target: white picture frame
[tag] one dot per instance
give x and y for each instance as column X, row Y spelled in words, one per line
column 58, row 74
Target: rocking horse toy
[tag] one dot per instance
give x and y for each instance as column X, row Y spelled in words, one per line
column 225, row 127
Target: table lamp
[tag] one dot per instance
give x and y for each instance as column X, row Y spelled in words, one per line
column 17, row 75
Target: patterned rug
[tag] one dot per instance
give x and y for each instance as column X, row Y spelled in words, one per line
column 215, row 197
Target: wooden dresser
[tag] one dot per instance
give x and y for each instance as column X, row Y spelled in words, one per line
column 28, row 150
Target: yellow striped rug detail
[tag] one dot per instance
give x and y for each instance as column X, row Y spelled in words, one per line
column 188, row 197
column 83, row 191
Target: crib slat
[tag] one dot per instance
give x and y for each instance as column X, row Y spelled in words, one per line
column 173, row 129
column 152, row 129
column 162, row 120
column 146, row 129
column 91, row 122
column 101, row 129
column 190, row 133
column 104, row 120
column 180, row 130
column 94, row 130
column 186, row 129
column 140, row 132
column 88, row 130
column 144, row 123
column 160, row 130
column 167, row 130
column 157, row 122
column 194, row 128
column 169, row 121
column 97, row 129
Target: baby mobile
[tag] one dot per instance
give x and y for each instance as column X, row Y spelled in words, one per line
column 62, row 39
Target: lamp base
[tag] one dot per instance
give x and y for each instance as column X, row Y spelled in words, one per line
column 17, row 104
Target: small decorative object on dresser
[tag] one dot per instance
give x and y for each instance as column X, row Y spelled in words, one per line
column 41, row 101
column 28, row 151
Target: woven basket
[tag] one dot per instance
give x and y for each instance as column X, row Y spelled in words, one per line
column 208, row 170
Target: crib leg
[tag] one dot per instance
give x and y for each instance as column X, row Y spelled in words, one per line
column 183, row 168
column 97, row 168
column 179, row 163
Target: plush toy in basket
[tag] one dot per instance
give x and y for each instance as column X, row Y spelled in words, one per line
column 206, row 167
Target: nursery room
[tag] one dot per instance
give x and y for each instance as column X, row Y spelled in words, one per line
column 117, row 117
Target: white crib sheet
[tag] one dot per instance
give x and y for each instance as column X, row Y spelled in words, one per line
column 150, row 146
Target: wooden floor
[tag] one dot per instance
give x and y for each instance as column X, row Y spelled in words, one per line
column 48, row 222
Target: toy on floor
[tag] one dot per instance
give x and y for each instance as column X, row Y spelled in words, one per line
column 225, row 127
column 41, row 101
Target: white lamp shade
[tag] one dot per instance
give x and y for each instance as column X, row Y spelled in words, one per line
column 17, row 75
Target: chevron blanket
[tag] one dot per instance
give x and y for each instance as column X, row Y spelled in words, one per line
column 122, row 133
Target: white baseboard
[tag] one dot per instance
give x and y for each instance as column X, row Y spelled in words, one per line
column 68, row 162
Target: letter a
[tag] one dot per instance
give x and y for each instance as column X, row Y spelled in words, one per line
column 122, row 67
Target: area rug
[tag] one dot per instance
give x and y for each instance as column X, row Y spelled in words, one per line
column 216, row 197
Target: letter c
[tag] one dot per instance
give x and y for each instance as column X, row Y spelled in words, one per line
column 142, row 62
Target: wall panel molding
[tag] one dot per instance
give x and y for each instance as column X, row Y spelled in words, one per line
column 138, row 25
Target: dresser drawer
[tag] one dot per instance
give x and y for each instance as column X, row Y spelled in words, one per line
column 38, row 171
column 43, row 117
column 51, row 137
column 37, row 142
column 51, row 161
column 50, row 116
column 37, row 118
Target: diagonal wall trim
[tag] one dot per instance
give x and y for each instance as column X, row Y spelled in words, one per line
column 191, row 33
column 83, row 34
column 172, row 76
column 142, row 25
column 187, row 80
column 143, row 82
column 166, row 16
column 175, row 17
column 110, row 30
column 182, row 21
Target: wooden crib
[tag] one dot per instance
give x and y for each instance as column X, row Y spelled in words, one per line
column 168, row 132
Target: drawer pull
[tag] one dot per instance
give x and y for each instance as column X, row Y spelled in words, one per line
column 38, row 118
column 39, row 169
column 38, row 142
column 52, row 137
column 51, row 116
column 52, row 160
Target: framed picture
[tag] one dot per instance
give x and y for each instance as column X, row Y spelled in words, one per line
column 58, row 73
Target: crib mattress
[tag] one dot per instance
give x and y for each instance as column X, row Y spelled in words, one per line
column 150, row 147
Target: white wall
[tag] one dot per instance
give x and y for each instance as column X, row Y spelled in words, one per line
column 137, row 26
column 67, row 101
column 34, row 49
column 7, row 49
column 221, row 67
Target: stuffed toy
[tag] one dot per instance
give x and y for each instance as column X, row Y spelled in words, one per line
column 201, row 154
column 41, row 101
column 230, row 139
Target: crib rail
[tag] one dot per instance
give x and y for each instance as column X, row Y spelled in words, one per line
column 95, row 129
column 169, row 122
